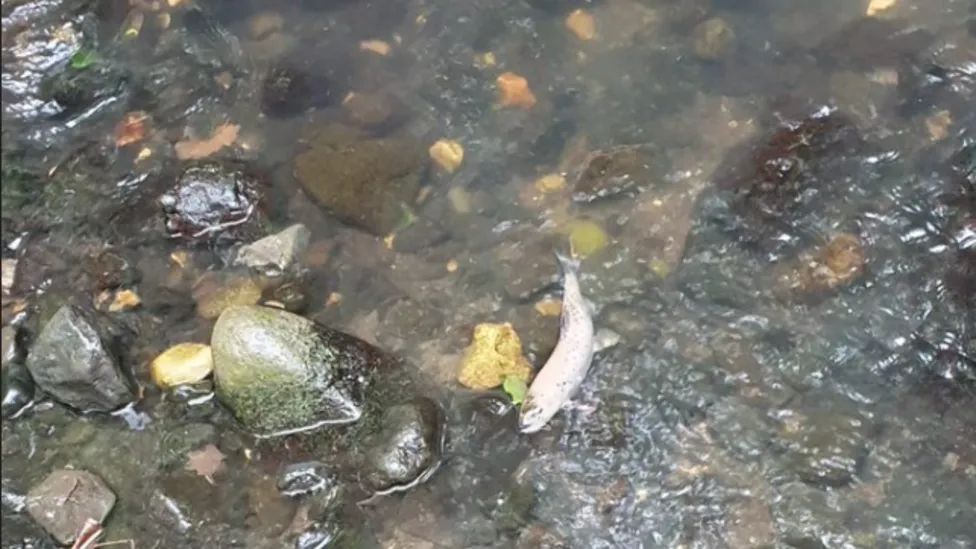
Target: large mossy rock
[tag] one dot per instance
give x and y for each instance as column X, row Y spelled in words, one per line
column 280, row 373
column 76, row 360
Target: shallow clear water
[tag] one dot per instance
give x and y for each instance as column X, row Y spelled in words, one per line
column 791, row 279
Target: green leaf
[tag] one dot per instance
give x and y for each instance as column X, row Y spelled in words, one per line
column 82, row 59
column 407, row 218
column 516, row 389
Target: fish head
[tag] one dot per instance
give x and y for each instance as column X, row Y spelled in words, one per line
column 532, row 417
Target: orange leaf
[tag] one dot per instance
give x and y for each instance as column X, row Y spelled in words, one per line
column 131, row 129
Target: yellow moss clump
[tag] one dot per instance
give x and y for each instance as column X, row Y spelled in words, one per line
column 495, row 353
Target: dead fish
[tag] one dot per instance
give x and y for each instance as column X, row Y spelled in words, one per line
column 566, row 368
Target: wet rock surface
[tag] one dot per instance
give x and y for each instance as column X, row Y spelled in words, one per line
column 17, row 389
column 278, row 372
column 66, row 499
column 275, row 253
column 305, row 478
column 407, row 448
column 210, row 200
column 75, row 359
column 614, row 172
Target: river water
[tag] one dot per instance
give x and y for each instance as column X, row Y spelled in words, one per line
column 777, row 200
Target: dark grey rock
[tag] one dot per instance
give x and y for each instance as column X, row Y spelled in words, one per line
column 66, row 499
column 307, row 477
column 209, row 200
column 74, row 360
column 406, row 450
column 18, row 389
column 275, row 253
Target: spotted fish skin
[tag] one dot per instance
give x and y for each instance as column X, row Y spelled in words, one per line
column 569, row 362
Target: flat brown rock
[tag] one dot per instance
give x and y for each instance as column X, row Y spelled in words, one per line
column 66, row 499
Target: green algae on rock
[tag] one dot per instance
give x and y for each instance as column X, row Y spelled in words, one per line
column 280, row 373
column 368, row 183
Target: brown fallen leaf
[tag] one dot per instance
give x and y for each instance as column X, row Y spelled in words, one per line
column 193, row 149
column 205, row 462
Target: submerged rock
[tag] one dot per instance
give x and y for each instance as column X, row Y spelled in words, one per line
column 66, row 499
column 407, row 449
column 209, row 200
column 281, row 373
column 74, row 359
column 613, row 172
column 276, row 252
column 826, row 447
column 215, row 292
column 840, row 262
column 308, row 477
column 75, row 90
column 288, row 90
column 713, row 39
column 369, row 183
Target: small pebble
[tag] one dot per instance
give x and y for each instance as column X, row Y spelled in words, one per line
column 581, row 23
column 876, row 7
column 376, row 46
column 447, row 154
column 181, row 364
column 514, row 91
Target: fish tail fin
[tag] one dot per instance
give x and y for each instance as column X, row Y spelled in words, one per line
column 567, row 264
